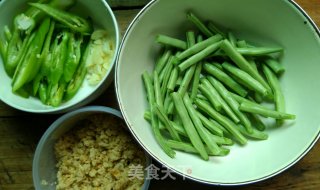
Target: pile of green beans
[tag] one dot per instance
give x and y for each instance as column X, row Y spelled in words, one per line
column 45, row 51
column 206, row 90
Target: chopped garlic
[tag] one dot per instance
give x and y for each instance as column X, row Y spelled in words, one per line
column 100, row 56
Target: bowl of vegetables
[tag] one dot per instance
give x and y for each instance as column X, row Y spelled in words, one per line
column 217, row 92
column 90, row 148
column 56, row 55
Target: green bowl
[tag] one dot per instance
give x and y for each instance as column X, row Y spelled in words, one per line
column 268, row 23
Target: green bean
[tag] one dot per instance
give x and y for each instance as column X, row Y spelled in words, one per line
column 199, row 38
column 234, row 105
column 202, row 97
column 165, row 70
column 157, row 90
column 170, row 108
column 258, row 97
column 253, row 64
column 241, row 43
column 275, row 66
column 215, row 29
column 224, row 121
column 198, row 47
column 232, row 38
column 259, row 135
column 184, row 86
column 218, row 98
column 203, row 132
column 261, row 110
column 209, row 125
column 191, row 38
column 246, row 79
column 225, row 79
column 164, row 119
column 154, row 120
column 163, row 60
column 258, row 51
column 241, row 99
column 147, row 115
column 188, row 125
column 275, row 86
column 199, row 56
column 256, row 122
column 176, row 126
column 201, row 26
column 186, row 80
column 243, row 64
column 225, row 132
column 167, row 101
column 173, row 79
column 169, row 41
column 218, row 139
column 195, row 82
column 212, row 96
column 197, row 73
column 166, row 77
column 187, row 147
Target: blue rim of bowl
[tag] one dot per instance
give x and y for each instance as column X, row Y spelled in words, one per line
column 61, row 119
column 83, row 101
column 136, row 18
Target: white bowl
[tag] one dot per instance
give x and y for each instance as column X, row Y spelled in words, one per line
column 271, row 22
column 44, row 161
column 102, row 16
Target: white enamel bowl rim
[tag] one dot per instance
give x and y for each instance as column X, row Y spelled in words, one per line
column 65, row 118
column 117, row 88
column 96, row 90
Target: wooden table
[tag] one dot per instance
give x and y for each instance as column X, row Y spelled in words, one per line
column 20, row 132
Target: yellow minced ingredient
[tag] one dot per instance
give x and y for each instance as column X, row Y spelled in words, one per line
column 97, row 154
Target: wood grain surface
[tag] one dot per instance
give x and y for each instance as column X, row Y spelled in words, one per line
column 20, row 133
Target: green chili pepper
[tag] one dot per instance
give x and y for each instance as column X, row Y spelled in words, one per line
column 79, row 75
column 46, row 59
column 23, row 25
column 3, row 49
column 59, row 54
column 56, row 93
column 30, row 64
column 43, row 95
column 33, row 15
column 74, row 22
column 7, row 32
column 73, row 57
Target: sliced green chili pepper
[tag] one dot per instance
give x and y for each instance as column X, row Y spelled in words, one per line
column 30, row 64
column 43, row 95
column 74, row 22
column 46, row 58
column 7, row 32
column 59, row 55
column 79, row 75
column 33, row 15
column 56, row 93
column 73, row 57
column 3, row 49
column 13, row 51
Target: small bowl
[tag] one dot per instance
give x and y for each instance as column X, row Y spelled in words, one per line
column 96, row 9
column 44, row 162
column 266, row 23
